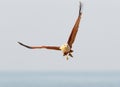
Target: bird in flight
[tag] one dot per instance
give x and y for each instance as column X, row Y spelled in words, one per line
column 67, row 47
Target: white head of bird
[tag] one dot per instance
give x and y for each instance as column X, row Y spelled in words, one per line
column 65, row 48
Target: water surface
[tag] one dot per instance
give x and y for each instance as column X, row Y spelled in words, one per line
column 59, row 79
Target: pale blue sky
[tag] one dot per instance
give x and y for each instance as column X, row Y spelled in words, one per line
column 49, row 22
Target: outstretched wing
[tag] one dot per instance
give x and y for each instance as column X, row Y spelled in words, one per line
column 75, row 28
column 39, row 47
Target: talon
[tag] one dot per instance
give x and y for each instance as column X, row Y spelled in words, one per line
column 67, row 57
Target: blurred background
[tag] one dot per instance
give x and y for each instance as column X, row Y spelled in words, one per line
column 49, row 22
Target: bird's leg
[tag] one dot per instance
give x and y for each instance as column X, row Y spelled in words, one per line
column 66, row 55
column 70, row 55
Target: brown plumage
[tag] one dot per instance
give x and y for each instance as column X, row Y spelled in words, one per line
column 39, row 47
column 75, row 29
column 65, row 48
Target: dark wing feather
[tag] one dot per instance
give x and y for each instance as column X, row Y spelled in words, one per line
column 39, row 47
column 75, row 29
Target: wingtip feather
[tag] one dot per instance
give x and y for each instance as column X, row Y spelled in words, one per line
column 24, row 45
column 80, row 7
